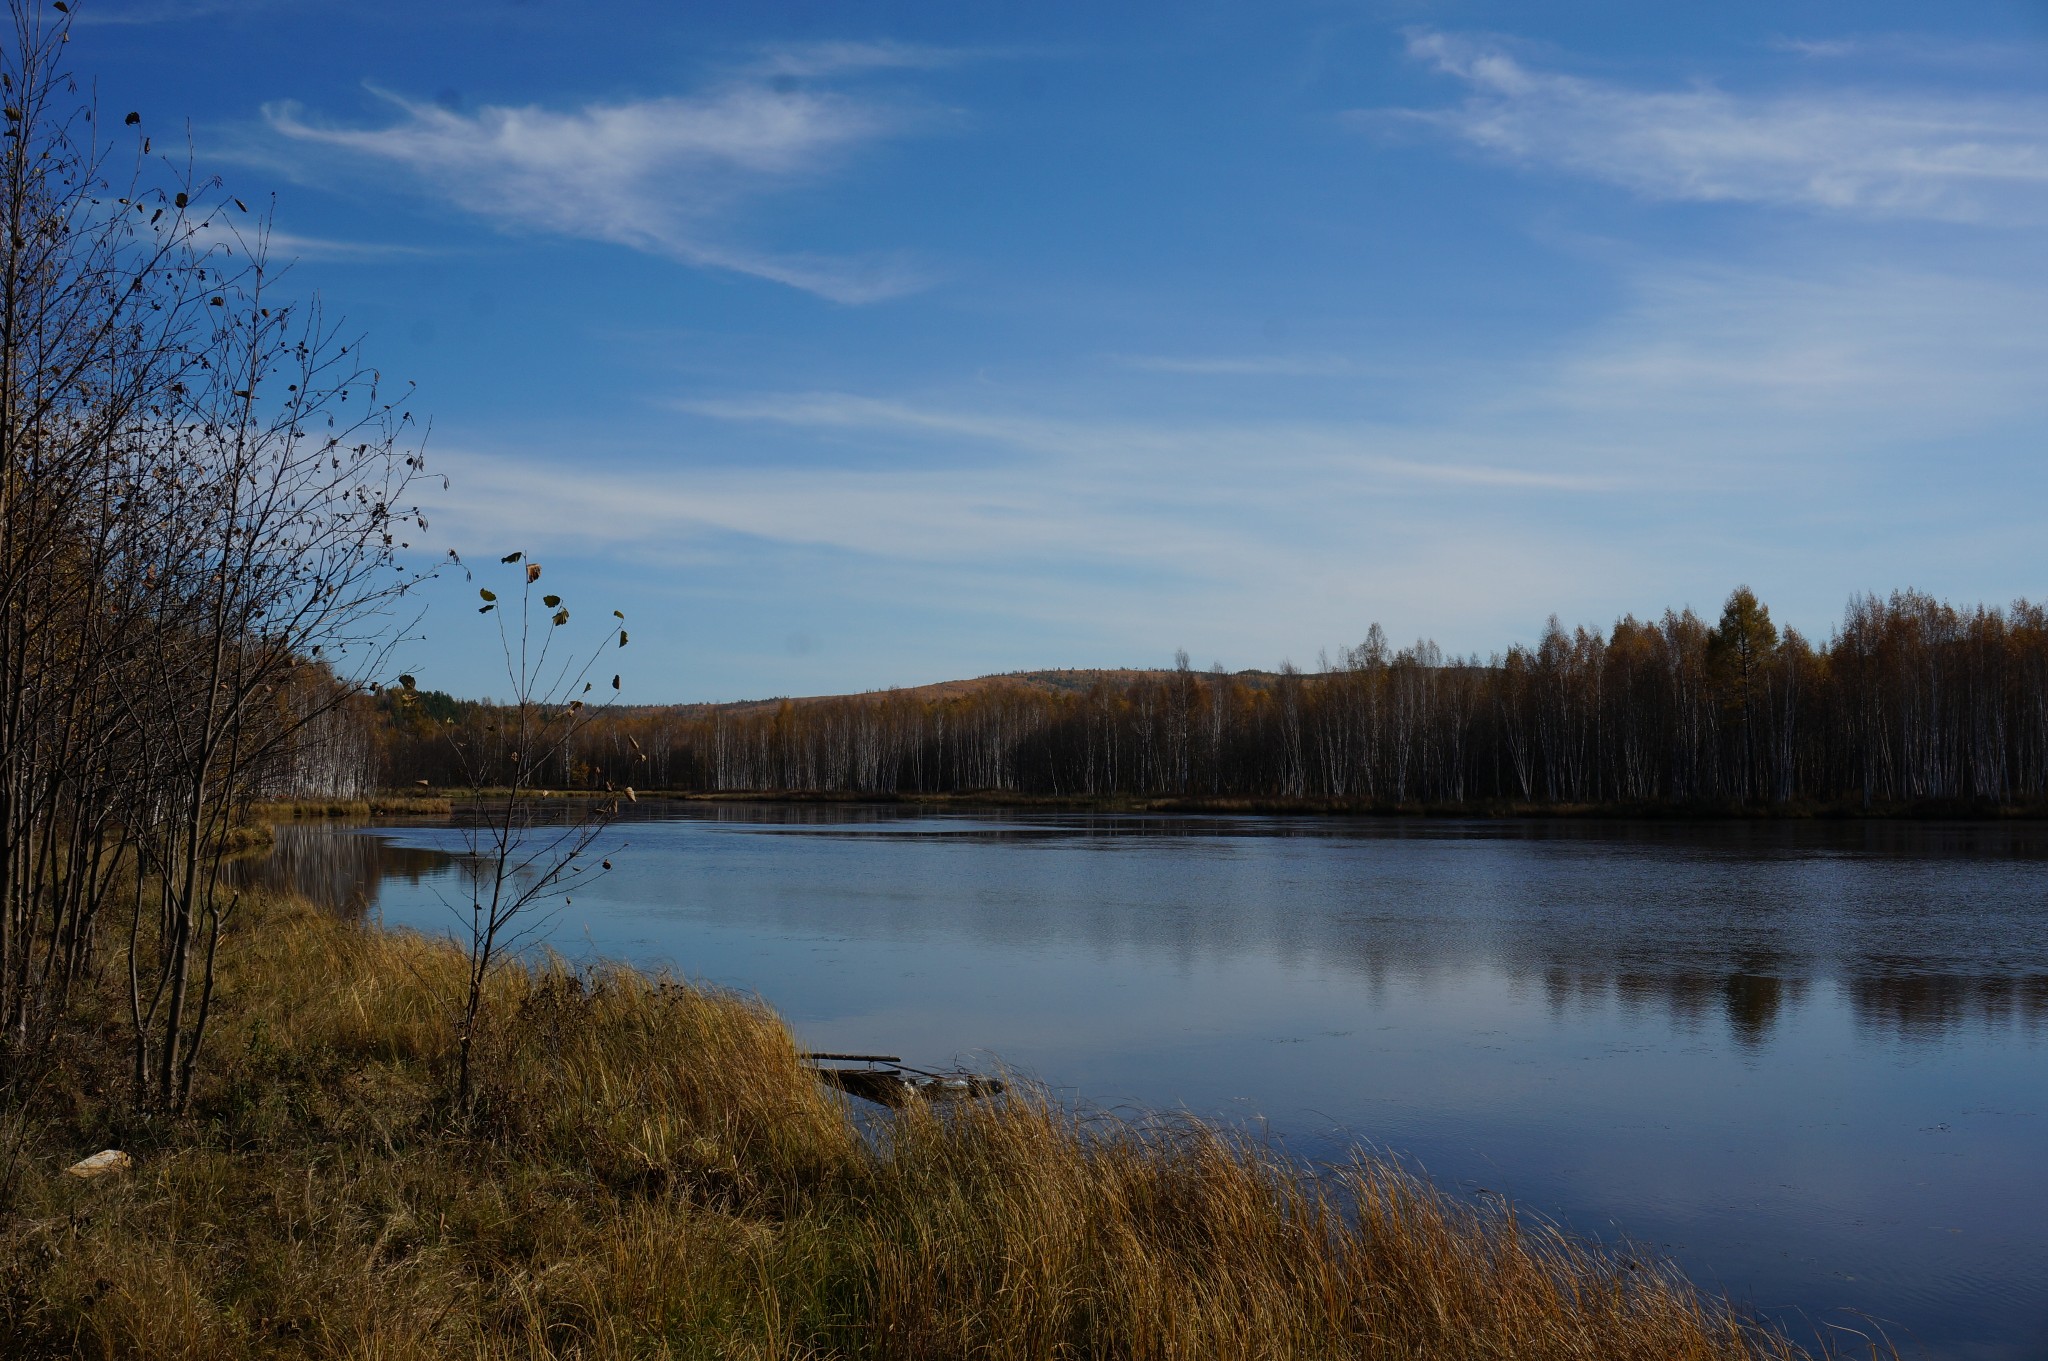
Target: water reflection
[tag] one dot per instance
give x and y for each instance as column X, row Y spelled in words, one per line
column 340, row 866
column 1807, row 1059
column 1918, row 1007
column 1926, row 928
column 1926, row 1007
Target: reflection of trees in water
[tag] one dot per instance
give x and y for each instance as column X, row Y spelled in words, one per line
column 1928, row 1006
column 1909, row 967
column 1908, row 1006
column 335, row 869
column 1750, row 1001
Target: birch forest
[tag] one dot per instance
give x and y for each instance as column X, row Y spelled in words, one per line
column 1911, row 701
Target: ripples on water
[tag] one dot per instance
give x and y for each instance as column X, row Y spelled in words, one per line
column 1808, row 1059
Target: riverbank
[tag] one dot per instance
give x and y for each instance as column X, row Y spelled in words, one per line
column 1698, row 810
column 403, row 804
column 651, row 1171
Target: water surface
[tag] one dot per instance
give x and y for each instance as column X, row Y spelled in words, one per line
column 1809, row 1061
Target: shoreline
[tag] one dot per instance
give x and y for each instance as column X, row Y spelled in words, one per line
column 1267, row 806
column 651, row 1169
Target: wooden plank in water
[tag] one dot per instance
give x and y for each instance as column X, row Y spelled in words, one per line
column 857, row 1058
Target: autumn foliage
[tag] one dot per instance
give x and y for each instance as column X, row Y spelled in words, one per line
column 1910, row 702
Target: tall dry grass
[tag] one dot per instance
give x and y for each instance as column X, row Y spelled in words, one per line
column 652, row 1172
column 399, row 804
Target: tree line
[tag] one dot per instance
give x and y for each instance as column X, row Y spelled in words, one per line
column 1911, row 700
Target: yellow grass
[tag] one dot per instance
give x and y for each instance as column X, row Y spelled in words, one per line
column 285, row 810
column 652, row 1172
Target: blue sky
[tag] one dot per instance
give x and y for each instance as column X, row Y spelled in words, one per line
column 856, row 345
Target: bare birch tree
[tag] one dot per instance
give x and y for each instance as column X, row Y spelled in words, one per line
column 200, row 505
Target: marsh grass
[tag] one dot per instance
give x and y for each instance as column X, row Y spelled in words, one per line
column 378, row 805
column 650, row 1171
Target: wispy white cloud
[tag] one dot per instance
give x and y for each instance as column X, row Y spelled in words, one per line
column 1143, row 551
column 1709, row 379
column 1014, row 512
column 1918, row 50
column 657, row 175
column 1247, row 366
column 287, row 246
column 1853, row 354
column 1980, row 158
column 1011, row 558
column 805, row 61
column 1712, row 429
column 1822, row 48
column 293, row 244
column 1213, row 461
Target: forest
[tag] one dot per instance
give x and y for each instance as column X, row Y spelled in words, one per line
column 1911, row 702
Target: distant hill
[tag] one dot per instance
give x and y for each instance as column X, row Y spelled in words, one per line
column 1074, row 681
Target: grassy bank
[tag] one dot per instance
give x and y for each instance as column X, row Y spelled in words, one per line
column 652, row 1172
column 378, row 805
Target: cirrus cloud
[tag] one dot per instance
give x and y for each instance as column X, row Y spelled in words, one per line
column 1941, row 155
column 659, row 175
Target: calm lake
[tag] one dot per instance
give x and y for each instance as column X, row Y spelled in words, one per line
column 1809, row 1061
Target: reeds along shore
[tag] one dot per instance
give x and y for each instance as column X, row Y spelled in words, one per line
column 376, row 805
column 652, row 1172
